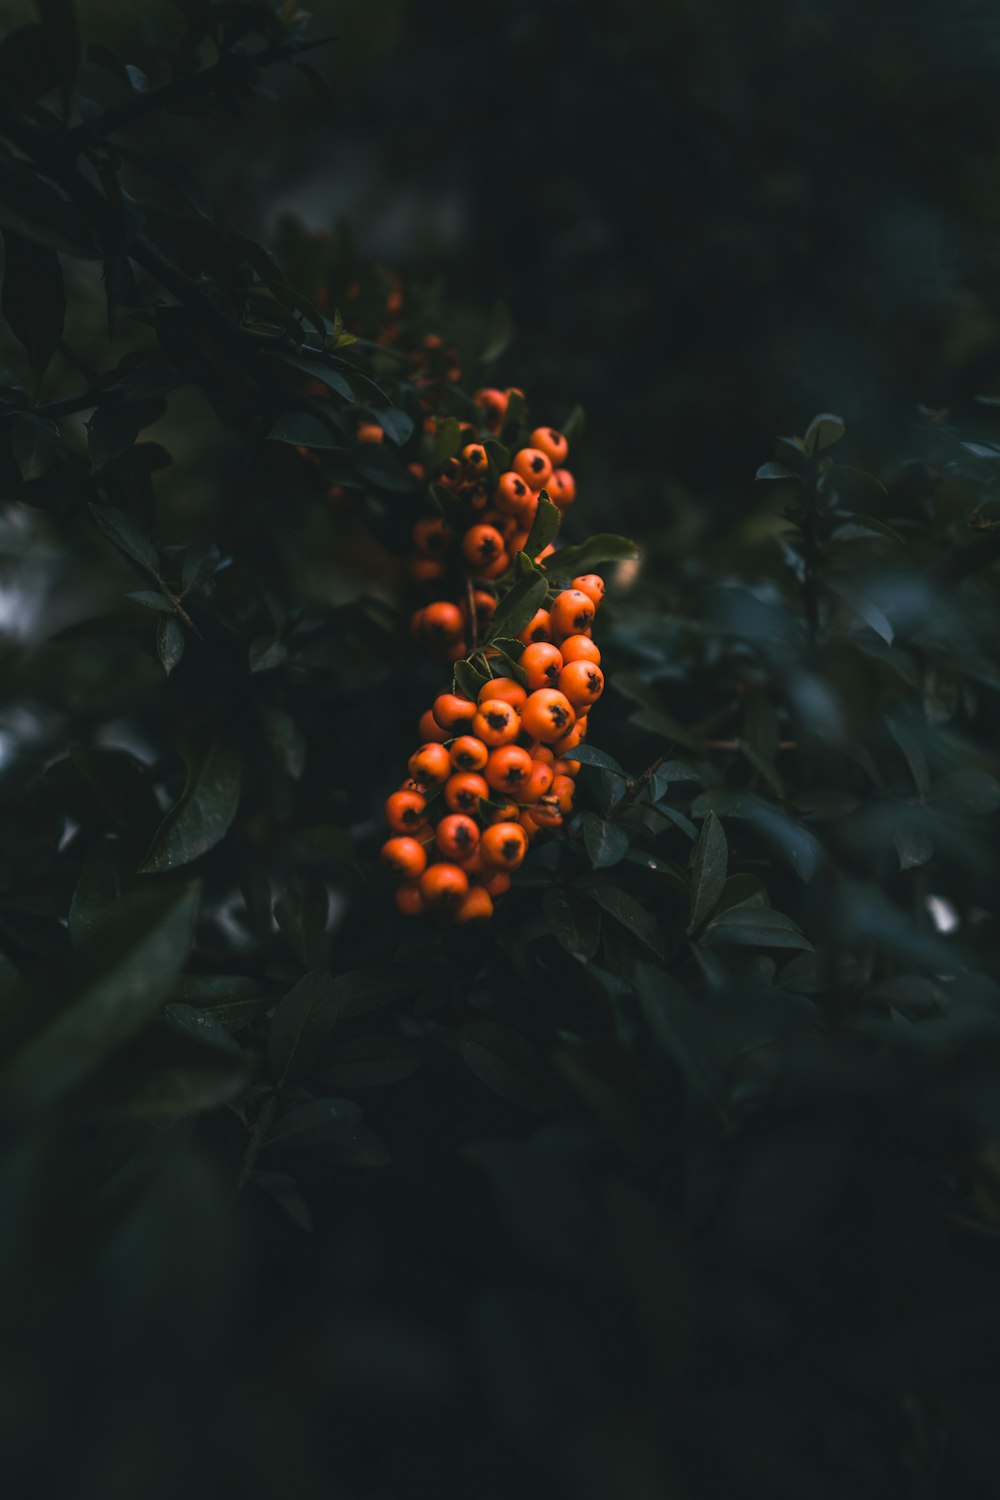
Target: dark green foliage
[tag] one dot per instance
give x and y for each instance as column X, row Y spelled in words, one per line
column 682, row 1178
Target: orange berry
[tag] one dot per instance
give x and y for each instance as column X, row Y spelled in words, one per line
column 508, row 768
column 425, row 569
column 498, row 884
column 517, row 542
column 484, row 607
column 565, row 767
column 468, row 753
column 580, row 648
column 370, row 432
column 547, row 813
column 496, row 722
column 538, row 751
column 550, row 442
column 430, row 764
column 405, row 811
column 505, row 688
column 476, row 906
column 429, row 730
column 481, row 545
column 533, row 466
column 497, row 567
column 548, row 715
column 453, row 712
column 591, row 584
column 457, row 836
column 537, row 784
column 542, row 663
column 494, row 405
column 457, row 651
column 474, row 457
column 527, row 822
column 408, row 898
column 563, row 789
column 504, row 846
column 431, row 536
column 443, row 885
column 404, row 857
column 572, row 613
column 450, row 474
column 463, row 791
column 582, row 682
column 512, row 497
column 570, row 740
column 417, row 623
column 538, row 628
column 503, row 812
column 561, row 488
column 441, row 622
column 548, row 551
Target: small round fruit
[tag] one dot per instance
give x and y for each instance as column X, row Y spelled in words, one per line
column 494, row 405
column 504, row 846
column 552, row 443
column 563, row 789
column 562, row 488
column 404, row 857
column 498, row 884
column 431, row 536
column 453, row 712
column 481, row 546
column 430, row 764
column 548, row 715
column 457, row 836
column 591, row 584
column 475, row 458
column 443, row 885
column 408, row 898
column 484, row 607
column 572, row 613
column 533, row 466
column 547, row 813
column 370, row 432
column 496, row 723
column 505, row 688
column 499, row 812
column 538, row 628
column 406, row 811
column 542, row 663
column 468, row 753
column 537, row 784
column 428, row 728
column 476, row 906
column 582, row 682
column 508, row 768
column 463, row 791
column 441, row 622
column 513, row 496
column 580, row 648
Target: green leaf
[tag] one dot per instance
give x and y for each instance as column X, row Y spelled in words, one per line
column 304, row 430
column 283, row 738
column 98, row 890
column 395, row 423
column 604, row 842
column 873, row 617
column 266, row 653
column 468, row 680
column 823, row 431
column 909, row 743
column 170, row 643
column 630, row 913
column 802, row 850
column 709, row 865
column 384, row 469
column 124, row 972
column 302, row 1022
column 126, row 536
column 371, row 1061
column 569, row 923
column 502, row 1060
column 150, row 599
column 914, row 846
column 317, row 368
column 499, row 332
column 778, row 472
column 201, row 818
column 362, row 990
column 34, row 442
column 573, row 427
column 33, row 300
column 316, row 1123
column 545, row 526
column 969, row 790
column 673, row 1020
column 447, row 442
column 605, row 547
column 589, row 755
column 751, row 925
column 518, row 605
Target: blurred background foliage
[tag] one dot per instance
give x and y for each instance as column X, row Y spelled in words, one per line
column 684, row 1180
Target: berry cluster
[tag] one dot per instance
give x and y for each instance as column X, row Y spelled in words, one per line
column 496, row 770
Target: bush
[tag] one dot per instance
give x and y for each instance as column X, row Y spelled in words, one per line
column 678, row 1176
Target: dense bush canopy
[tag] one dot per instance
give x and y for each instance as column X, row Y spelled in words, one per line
column 679, row 1176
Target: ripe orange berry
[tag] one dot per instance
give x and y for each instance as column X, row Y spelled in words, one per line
column 563, row 789
column 404, row 857
column 443, row 885
column 450, row 474
column 429, row 730
column 425, row 569
column 431, row 536
column 513, row 497
column 517, row 542
column 505, row 688
column 453, row 712
column 552, row 443
column 504, row 846
column 496, row 568
column 457, row 651
column 409, row 899
column 501, row 812
column 496, row 722
column 570, row 740
column 572, row 613
column 533, row 466
column 430, row 764
column 537, row 784
column 481, row 546
column 548, row 715
column 529, row 825
column 476, row 906
column 463, row 791
column 582, row 682
column 542, row 663
column 538, row 751
column 441, row 622
column 591, row 584
column 580, row 648
column 548, row 551
column 405, row 811
column 370, row 432
column 498, row 884
column 547, row 813
column 474, row 457
column 468, row 753
column 457, row 836
column 562, row 488
column 494, row 405
column 508, row 768
column 538, row 628
column 484, row 607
